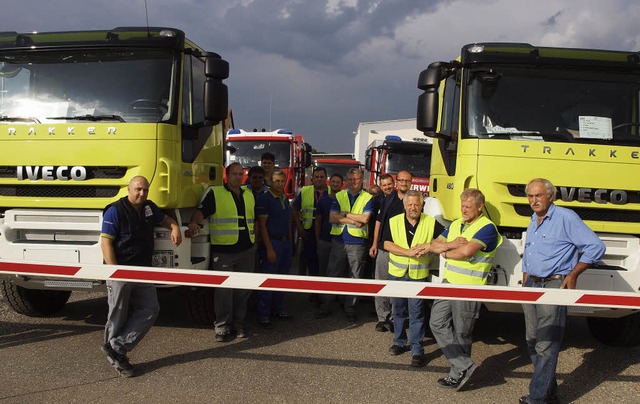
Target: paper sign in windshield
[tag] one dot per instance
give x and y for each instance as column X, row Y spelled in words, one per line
column 595, row 127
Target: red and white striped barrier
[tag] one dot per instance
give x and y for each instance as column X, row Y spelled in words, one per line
column 342, row 286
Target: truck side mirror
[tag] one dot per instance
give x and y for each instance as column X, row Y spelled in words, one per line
column 216, row 93
column 428, row 101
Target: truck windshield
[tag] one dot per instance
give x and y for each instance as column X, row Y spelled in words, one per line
column 249, row 152
column 553, row 104
column 414, row 161
column 336, row 168
column 99, row 84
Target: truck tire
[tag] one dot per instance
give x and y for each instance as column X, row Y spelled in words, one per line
column 34, row 302
column 199, row 303
column 623, row 331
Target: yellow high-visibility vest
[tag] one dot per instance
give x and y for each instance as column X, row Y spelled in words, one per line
column 224, row 227
column 399, row 265
column 475, row 269
column 358, row 207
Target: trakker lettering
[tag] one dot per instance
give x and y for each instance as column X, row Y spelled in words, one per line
column 51, row 173
column 569, row 151
column 91, row 130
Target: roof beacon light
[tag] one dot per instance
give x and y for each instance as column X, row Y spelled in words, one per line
column 167, row 33
column 476, row 49
column 393, row 137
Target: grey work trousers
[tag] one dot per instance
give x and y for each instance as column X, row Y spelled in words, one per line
column 345, row 261
column 133, row 308
column 383, row 304
column 324, row 251
column 452, row 324
column 230, row 305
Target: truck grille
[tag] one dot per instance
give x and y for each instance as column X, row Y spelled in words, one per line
column 92, row 172
column 57, row 191
column 596, row 215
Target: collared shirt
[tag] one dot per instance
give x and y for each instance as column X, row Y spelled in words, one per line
column 552, row 248
column 208, row 208
column 277, row 211
column 345, row 237
column 296, row 204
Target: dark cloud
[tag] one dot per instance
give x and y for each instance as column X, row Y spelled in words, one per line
column 553, row 20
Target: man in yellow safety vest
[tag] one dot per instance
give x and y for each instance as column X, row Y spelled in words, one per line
column 407, row 238
column 468, row 246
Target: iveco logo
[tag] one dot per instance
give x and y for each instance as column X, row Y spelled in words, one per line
column 50, row 173
column 616, row 197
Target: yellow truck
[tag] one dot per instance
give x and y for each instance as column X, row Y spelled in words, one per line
column 502, row 114
column 81, row 113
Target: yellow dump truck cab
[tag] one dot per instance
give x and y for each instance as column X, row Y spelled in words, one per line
column 81, row 113
column 504, row 113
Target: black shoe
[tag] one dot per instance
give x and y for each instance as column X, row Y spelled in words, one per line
column 351, row 317
column 322, row 314
column 465, row 375
column 118, row 361
column 241, row 333
column 449, row 382
column 398, row 350
column 380, row 327
column 224, row 336
column 266, row 324
column 388, row 325
column 283, row 315
column 418, row 361
column 550, row 400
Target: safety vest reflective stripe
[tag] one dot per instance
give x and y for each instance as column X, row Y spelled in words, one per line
column 465, row 271
column 411, row 265
column 358, row 208
column 220, row 220
column 307, row 202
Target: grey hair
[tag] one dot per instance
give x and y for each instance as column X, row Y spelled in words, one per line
column 551, row 189
column 413, row 192
column 473, row 193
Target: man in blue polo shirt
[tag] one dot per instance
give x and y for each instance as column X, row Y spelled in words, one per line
column 559, row 247
column 349, row 216
column 322, row 227
column 275, row 249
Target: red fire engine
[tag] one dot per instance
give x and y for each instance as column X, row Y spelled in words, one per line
column 292, row 154
column 394, row 154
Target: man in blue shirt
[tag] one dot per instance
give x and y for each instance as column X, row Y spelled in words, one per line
column 555, row 238
column 322, row 227
column 349, row 216
column 275, row 249
column 127, row 239
column 303, row 212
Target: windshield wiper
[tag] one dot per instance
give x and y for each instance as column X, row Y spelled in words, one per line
column 19, row 119
column 90, row 118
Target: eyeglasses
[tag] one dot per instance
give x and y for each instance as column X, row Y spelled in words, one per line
column 403, row 180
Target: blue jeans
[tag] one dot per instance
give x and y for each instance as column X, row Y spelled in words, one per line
column 545, row 326
column 414, row 308
column 270, row 302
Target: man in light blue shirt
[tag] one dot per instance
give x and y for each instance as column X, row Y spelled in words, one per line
column 555, row 238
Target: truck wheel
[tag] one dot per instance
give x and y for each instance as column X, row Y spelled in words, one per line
column 199, row 303
column 623, row 331
column 34, row 302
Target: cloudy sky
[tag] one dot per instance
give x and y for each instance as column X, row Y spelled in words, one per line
column 320, row 67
